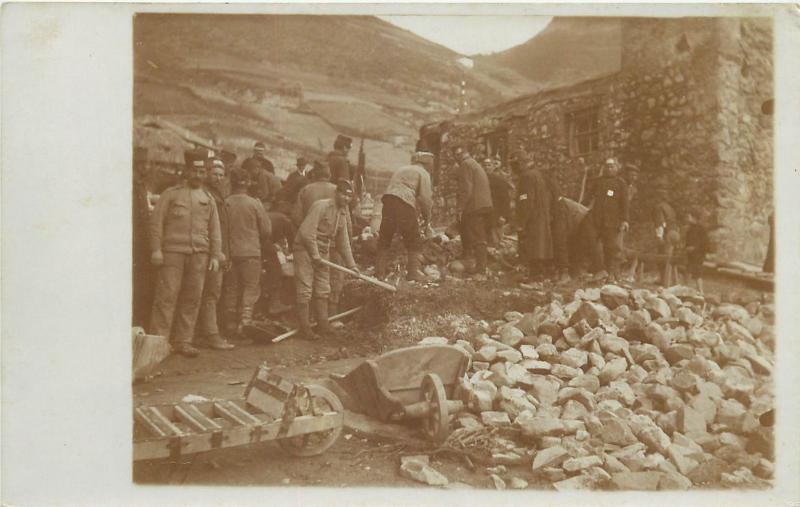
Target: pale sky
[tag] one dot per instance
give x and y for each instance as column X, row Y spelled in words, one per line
column 471, row 35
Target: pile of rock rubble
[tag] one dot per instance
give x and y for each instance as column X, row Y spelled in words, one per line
column 628, row 389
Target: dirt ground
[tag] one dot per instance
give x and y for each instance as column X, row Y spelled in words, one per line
column 385, row 323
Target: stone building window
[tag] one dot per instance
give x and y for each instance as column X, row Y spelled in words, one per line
column 584, row 131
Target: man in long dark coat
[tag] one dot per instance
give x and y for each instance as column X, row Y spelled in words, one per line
column 535, row 203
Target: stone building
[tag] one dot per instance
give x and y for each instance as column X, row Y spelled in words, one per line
column 685, row 108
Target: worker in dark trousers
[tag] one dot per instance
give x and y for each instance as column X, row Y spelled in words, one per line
column 474, row 201
column 609, row 216
column 407, row 197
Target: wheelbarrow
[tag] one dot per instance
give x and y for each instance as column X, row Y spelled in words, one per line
column 304, row 419
column 420, row 383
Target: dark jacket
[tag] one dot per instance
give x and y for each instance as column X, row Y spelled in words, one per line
column 697, row 245
column 339, row 166
column 535, row 204
column 291, row 186
column 282, row 228
column 501, row 196
column 264, row 185
column 610, row 202
column 474, row 193
column 664, row 214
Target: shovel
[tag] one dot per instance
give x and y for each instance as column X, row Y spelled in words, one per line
column 369, row 279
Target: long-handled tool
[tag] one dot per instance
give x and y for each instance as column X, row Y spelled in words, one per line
column 333, row 318
column 369, row 279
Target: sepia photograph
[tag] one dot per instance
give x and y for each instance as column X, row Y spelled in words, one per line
column 522, row 253
column 399, row 254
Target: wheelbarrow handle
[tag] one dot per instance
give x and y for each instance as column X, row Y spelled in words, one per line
column 369, row 279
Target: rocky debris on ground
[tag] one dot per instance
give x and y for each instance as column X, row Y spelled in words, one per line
column 418, row 468
column 627, row 389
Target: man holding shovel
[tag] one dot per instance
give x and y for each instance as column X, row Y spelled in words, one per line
column 324, row 226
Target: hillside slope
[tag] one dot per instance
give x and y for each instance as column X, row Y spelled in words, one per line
column 296, row 81
column 569, row 50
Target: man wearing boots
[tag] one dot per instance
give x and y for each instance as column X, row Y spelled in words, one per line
column 407, row 196
column 322, row 188
column 185, row 242
column 474, row 200
column 208, row 327
column 324, row 226
column 249, row 229
column 609, row 215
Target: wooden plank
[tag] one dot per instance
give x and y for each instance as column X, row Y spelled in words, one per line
column 266, row 403
column 222, row 411
column 240, row 412
column 157, row 415
column 158, row 448
column 184, row 416
column 209, row 423
column 140, row 414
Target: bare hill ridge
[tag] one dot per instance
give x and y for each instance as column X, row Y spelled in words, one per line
column 567, row 51
column 297, row 81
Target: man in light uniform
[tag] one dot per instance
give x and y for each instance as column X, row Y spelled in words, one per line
column 185, row 241
column 324, row 226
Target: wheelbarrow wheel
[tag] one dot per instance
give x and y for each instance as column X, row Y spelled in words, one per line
column 436, row 426
column 312, row 444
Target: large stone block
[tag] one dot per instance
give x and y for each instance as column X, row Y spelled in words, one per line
column 636, row 481
column 537, row 427
column 612, row 370
column 589, row 382
column 613, row 296
column 691, row 422
column 592, row 313
column 581, row 463
column 511, row 335
column 617, row 431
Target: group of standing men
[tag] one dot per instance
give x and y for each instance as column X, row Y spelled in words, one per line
column 211, row 236
column 553, row 231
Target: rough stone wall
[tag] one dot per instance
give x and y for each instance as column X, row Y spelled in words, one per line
column 744, row 195
column 668, row 93
column 693, row 123
column 685, row 109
